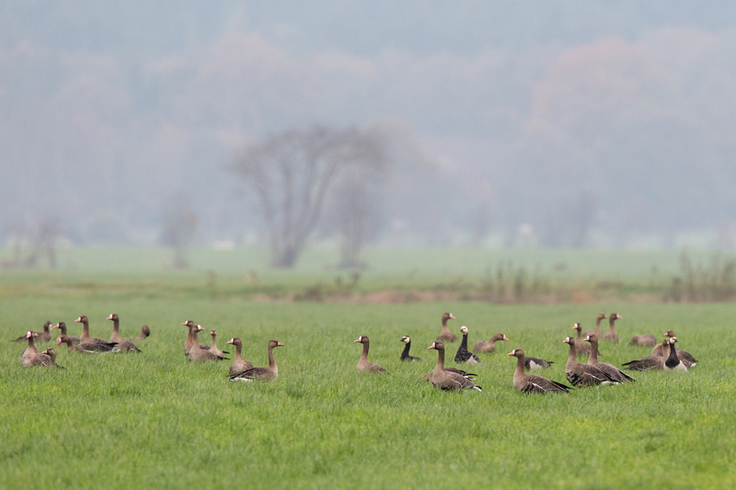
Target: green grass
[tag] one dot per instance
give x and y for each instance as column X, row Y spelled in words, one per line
column 154, row 420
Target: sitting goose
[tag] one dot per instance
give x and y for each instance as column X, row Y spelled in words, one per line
column 583, row 374
column 145, row 332
column 534, row 363
column 85, row 332
column 190, row 338
column 581, row 348
column 445, row 335
column 611, row 370
column 266, row 373
column 446, row 380
column 530, row 383
column 611, row 335
column 28, row 356
column 646, row 340
column 597, row 331
column 684, row 356
column 363, row 364
column 62, row 326
column 673, row 363
column 405, row 354
column 40, row 337
column 490, row 345
column 124, row 345
column 214, row 348
column 86, row 347
column 196, row 353
column 239, row 364
column 463, row 355
column 655, row 361
column 51, row 353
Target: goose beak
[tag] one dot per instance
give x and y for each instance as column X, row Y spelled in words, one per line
column 431, row 346
column 109, row 317
column 78, row 320
column 55, row 326
column 357, row 340
column 505, row 338
column 452, row 317
column 510, row 353
column 231, row 341
column 200, row 328
column 185, row 323
column 279, row 344
column 58, row 341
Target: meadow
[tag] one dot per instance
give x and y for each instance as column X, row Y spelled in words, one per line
column 153, row 419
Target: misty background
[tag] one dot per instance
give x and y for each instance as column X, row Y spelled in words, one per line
column 512, row 123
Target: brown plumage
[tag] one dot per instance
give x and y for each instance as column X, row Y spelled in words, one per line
column 446, row 380
column 27, row 357
column 490, row 345
column 581, row 348
column 597, row 330
column 196, row 353
column 266, row 373
column 123, row 345
column 655, row 361
column 86, row 347
column 40, row 337
column 611, row 335
column 51, row 354
column 190, row 338
column 239, row 364
column 363, row 364
column 583, row 374
column 85, row 338
column 213, row 347
column 610, row 369
column 445, row 335
column 62, row 326
column 646, row 340
column 145, row 332
column 531, row 383
column 684, row 356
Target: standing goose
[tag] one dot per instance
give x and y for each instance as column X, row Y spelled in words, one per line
column 581, row 348
column 190, row 338
column 445, row 335
column 655, row 361
column 145, row 332
column 86, row 347
column 363, row 364
column 611, row 370
column 196, row 353
column 673, row 363
column 490, row 345
column 214, row 348
column 266, row 373
column 405, row 354
column 583, row 374
column 611, row 335
column 463, row 355
column 85, row 332
column 446, row 380
column 597, row 330
column 684, row 356
column 62, row 326
column 530, row 383
column 40, row 337
column 124, row 345
column 646, row 340
column 51, row 353
column 239, row 364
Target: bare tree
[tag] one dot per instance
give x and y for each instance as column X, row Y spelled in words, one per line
column 179, row 231
column 291, row 173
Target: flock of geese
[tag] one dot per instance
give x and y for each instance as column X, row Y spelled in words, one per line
column 665, row 356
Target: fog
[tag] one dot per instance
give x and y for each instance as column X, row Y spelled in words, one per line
column 512, row 124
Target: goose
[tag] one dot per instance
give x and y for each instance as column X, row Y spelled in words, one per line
column 198, row 354
column 531, row 383
column 41, row 337
column 214, row 348
column 145, row 332
column 28, row 354
column 190, row 338
column 610, row 369
column 86, row 347
column 463, row 355
column 62, row 326
column 611, row 335
column 655, row 361
column 583, row 374
column 445, row 335
column 447, row 380
column 646, row 340
column 534, row 363
column 405, row 354
column 266, row 373
column 85, row 332
column 490, row 345
column 581, row 349
column 673, row 363
column 51, row 354
column 124, row 345
column 239, row 364
column 363, row 364
column 684, row 356
column 597, row 330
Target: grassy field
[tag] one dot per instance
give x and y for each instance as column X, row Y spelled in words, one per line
column 155, row 420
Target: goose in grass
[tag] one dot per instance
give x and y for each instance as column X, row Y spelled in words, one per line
column 531, row 383
column 654, row 362
column 611, row 370
column 213, row 347
column 85, row 338
column 239, row 364
column 27, row 357
column 51, row 354
column 446, row 380
column 86, row 347
column 196, row 353
column 535, row 363
column 463, row 355
column 145, row 332
column 611, row 335
column 124, row 345
column 489, row 346
column 190, row 338
column 405, row 354
column 597, row 330
column 673, row 362
column 265, row 373
column 62, row 327
column 445, row 335
column 39, row 337
column 584, row 374
column 684, row 356
column 645, row 340
column 363, row 364
column 581, row 348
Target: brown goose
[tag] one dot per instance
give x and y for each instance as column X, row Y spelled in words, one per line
column 363, row 364
column 611, row 370
column 85, row 332
column 597, row 330
column 28, row 355
column 266, row 373
column 51, row 354
column 124, row 345
column 673, row 362
column 583, row 374
column 190, row 338
column 198, row 354
column 405, row 354
column 581, row 348
column 214, row 348
column 62, row 326
column 655, row 361
column 463, row 355
column 684, row 356
column 42, row 337
column 86, row 347
column 530, row 383
column 534, row 363
column 145, row 332
column 239, row 364
column 611, row 335
column 646, row 340
column 446, row 380
column 490, row 345
column 445, row 335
